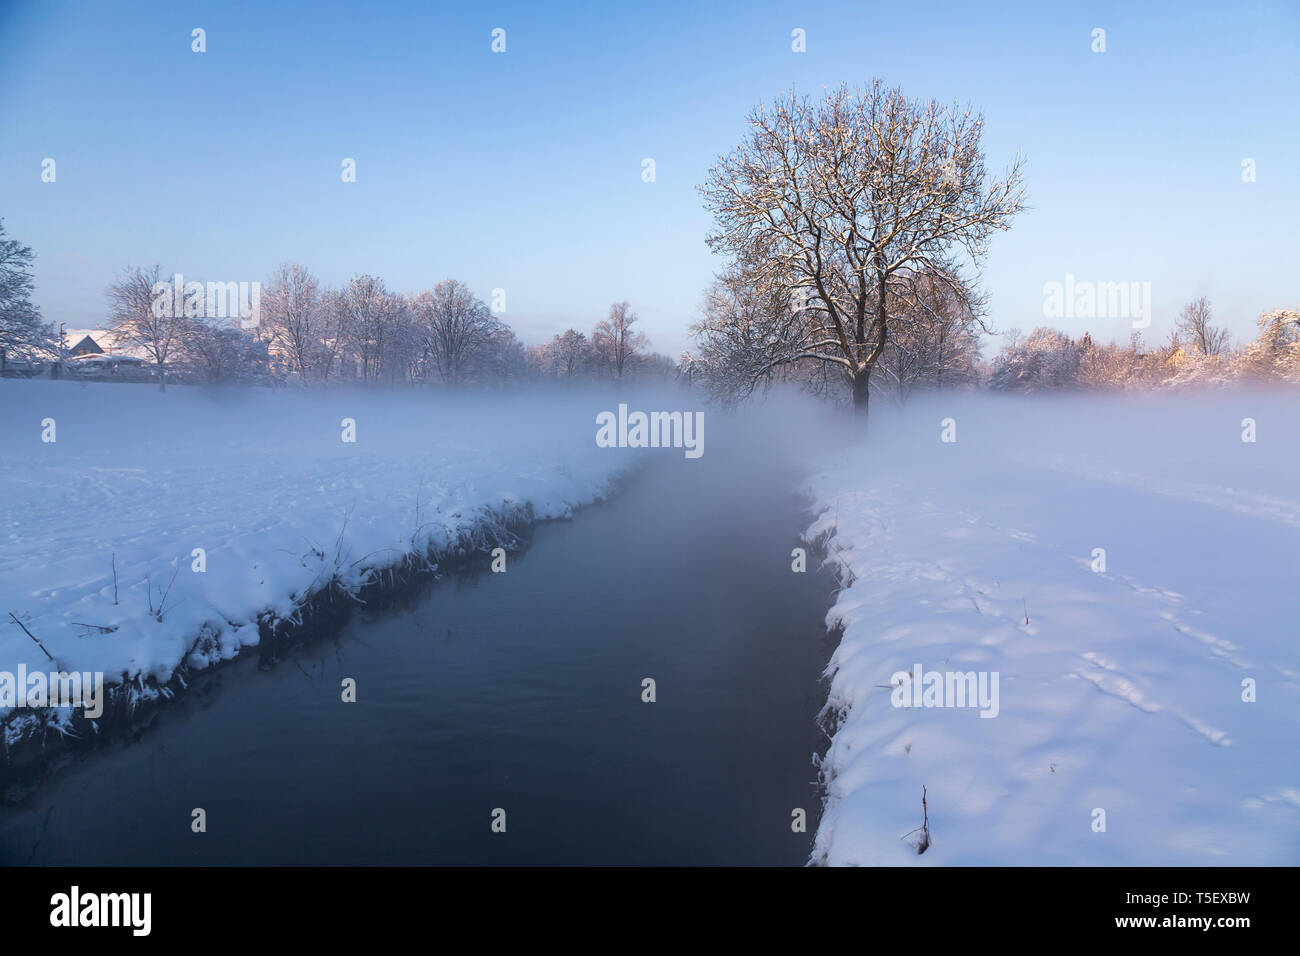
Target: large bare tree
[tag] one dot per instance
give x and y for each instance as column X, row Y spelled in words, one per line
column 844, row 202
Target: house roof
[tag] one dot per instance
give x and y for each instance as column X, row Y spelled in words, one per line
column 106, row 340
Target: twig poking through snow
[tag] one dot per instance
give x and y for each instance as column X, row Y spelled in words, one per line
column 14, row 617
column 923, row 843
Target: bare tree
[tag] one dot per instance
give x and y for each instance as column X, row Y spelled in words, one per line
column 740, row 339
column 142, row 313
column 501, row 360
column 614, row 341
column 540, row 360
column 221, row 352
column 293, row 315
column 570, row 354
column 935, row 341
column 1195, row 322
column 845, row 202
column 455, row 328
column 374, row 325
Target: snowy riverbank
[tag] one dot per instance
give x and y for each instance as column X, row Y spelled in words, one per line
column 1122, row 690
column 155, row 530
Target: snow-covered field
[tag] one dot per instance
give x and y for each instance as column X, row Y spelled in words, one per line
column 265, row 484
column 1123, row 691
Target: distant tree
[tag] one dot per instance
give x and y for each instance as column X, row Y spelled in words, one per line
column 501, row 360
column 539, row 361
column 455, row 328
column 294, row 316
column 374, row 326
column 935, row 342
column 22, row 333
column 1275, row 353
column 688, row 372
column 146, row 320
column 1194, row 322
column 843, row 203
column 1046, row 359
column 570, row 354
column 655, row 367
column 615, row 343
column 221, row 352
column 740, row 337
column 328, row 356
column 1107, row 366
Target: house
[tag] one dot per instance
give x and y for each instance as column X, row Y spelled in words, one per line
column 87, row 346
column 81, row 342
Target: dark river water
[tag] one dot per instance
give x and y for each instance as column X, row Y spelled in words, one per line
column 520, row 691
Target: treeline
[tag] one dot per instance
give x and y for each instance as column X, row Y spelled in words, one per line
column 365, row 332
column 936, row 343
column 295, row 328
column 613, row 350
column 1195, row 353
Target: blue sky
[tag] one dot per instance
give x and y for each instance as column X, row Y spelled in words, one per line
column 522, row 170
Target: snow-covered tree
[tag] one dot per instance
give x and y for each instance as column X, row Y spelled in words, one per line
column 295, row 318
column 155, row 324
column 1047, row 359
column 219, row 351
column 740, row 338
column 1275, row 353
column 847, row 200
column 22, row 333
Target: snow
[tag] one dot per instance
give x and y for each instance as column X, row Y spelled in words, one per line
column 263, row 482
column 1123, row 690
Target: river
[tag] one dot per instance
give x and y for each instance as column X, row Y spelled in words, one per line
column 519, row 691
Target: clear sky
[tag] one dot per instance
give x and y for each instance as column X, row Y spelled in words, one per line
column 522, row 170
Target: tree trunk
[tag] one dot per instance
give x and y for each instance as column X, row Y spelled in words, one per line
column 861, row 378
